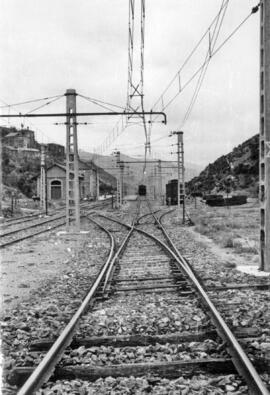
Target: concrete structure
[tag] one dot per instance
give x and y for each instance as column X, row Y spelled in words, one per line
column 1, row 176
column 72, row 166
column 265, row 135
column 43, row 181
column 180, row 171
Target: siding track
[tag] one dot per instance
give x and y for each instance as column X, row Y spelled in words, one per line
column 37, row 227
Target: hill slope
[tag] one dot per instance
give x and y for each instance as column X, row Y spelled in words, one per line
column 236, row 171
column 136, row 169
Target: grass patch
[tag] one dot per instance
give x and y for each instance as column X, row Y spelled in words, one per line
column 225, row 225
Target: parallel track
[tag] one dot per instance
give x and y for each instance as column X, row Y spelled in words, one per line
column 17, row 235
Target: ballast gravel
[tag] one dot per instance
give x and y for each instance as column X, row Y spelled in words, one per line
column 104, row 355
column 199, row 385
column 51, row 306
column 143, row 314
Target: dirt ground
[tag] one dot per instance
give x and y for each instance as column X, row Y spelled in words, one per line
column 26, row 265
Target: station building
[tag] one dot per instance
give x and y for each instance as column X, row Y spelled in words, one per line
column 56, row 181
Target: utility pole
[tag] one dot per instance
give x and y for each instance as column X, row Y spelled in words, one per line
column 159, row 181
column 180, row 172
column 265, row 136
column 121, row 166
column 97, row 184
column 72, row 166
column 118, row 191
column 43, row 184
column 1, row 180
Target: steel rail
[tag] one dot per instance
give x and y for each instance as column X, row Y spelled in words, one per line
column 239, row 358
column 145, row 215
column 109, row 272
column 116, row 256
column 44, row 222
column 15, row 221
column 45, row 368
column 18, row 239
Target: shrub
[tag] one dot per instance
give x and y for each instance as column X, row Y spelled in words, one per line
column 228, row 242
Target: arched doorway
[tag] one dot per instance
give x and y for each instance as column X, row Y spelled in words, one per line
column 56, row 190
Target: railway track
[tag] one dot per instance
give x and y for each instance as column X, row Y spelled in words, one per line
column 38, row 226
column 15, row 221
column 148, row 316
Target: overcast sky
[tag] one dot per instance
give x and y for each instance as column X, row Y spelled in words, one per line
column 49, row 46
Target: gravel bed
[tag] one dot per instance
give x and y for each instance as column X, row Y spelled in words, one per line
column 199, row 385
column 143, row 314
column 118, row 231
column 51, row 306
column 148, row 314
column 213, row 272
column 251, row 309
column 109, row 355
column 240, row 308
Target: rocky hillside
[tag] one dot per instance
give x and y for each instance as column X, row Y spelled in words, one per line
column 237, row 171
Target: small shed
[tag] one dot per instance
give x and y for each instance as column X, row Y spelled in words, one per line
column 56, row 183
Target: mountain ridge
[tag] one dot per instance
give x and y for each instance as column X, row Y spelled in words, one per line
column 237, row 171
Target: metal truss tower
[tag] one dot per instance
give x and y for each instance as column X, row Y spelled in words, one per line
column 72, row 166
column 135, row 94
column 43, row 183
column 265, row 135
column 181, row 172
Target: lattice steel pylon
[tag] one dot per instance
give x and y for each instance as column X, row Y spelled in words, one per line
column 72, row 166
column 265, row 136
column 43, row 183
column 135, row 93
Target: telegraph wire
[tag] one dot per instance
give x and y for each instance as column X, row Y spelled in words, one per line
column 212, row 55
column 46, row 104
column 254, row 9
column 30, row 101
column 177, row 75
column 97, row 101
column 212, row 43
